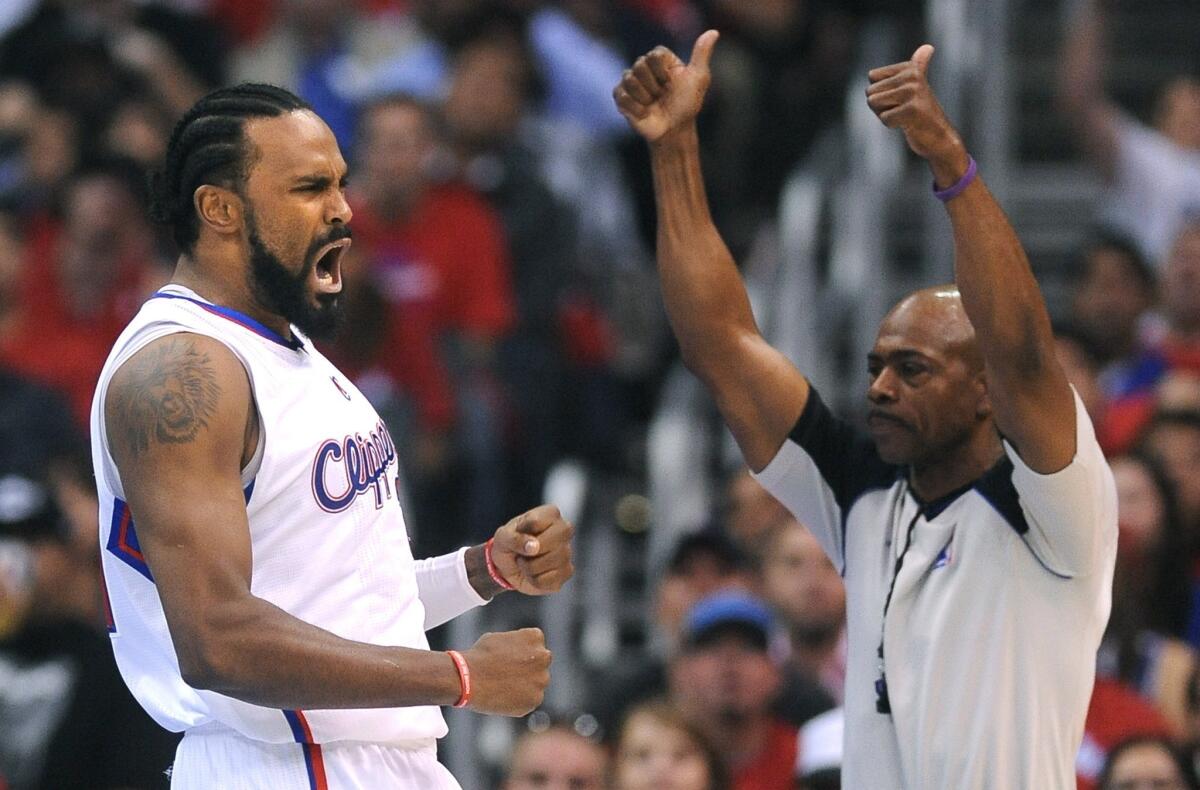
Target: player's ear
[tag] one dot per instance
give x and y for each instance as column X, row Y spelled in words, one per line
column 219, row 208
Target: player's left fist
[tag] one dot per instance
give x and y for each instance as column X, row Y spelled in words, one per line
column 533, row 551
column 902, row 98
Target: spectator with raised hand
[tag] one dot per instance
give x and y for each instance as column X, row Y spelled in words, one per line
column 1152, row 173
column 85, row 54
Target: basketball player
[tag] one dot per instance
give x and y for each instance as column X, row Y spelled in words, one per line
column 262, row 593
column 975, row 526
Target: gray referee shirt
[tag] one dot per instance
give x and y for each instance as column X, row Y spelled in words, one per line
column 998, row 608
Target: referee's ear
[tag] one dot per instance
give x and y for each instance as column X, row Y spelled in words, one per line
column 983, row 403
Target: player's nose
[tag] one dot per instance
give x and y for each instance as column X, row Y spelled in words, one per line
column 338, row 209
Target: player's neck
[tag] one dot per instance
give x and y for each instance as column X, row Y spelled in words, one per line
column 957, row 468
column 217, row 290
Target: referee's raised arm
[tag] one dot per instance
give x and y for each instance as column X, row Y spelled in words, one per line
column 759, row 392
column 1032, row 403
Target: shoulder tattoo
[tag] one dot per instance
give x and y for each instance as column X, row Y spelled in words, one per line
column 169, row 395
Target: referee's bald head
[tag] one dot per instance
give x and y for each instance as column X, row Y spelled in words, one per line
column 937, row 315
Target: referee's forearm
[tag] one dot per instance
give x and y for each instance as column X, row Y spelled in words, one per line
column 999, row 292
column 705, row 298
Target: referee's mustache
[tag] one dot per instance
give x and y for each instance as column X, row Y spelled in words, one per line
column 880, row 414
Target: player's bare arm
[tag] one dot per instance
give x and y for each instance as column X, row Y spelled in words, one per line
column 1031, row 400
column 177, row 416
column 759, row 392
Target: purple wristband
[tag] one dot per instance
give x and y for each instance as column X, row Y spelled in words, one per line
column 956, row 189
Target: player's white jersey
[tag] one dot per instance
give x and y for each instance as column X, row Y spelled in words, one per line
column 327, row 532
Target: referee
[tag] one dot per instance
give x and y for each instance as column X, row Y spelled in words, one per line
column 975, row 524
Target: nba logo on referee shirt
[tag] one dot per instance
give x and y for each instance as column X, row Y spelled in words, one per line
column 943, row 558
column 340, row 388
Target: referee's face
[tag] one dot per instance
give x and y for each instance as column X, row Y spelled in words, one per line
column 926, row 396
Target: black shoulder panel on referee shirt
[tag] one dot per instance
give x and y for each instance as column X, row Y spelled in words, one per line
column 844, row 455
column 996, row 486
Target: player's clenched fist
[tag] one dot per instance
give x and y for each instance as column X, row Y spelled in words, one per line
column 533, row 551
column 661, row 93
column 902, row 98
column 509, row 672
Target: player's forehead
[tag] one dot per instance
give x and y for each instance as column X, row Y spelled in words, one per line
column 293, row 145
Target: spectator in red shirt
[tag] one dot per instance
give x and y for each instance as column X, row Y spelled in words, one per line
column 1116, row 713
column 83, row 277
column 724, row 680
column 436, row 262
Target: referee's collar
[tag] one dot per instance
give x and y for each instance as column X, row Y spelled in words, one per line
column 935, row 507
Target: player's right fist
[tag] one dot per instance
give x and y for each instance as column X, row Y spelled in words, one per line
column 509, row 672
column 661, row 92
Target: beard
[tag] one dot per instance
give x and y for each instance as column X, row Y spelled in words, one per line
column 285, row 293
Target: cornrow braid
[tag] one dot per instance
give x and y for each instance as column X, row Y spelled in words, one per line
column 208, row 146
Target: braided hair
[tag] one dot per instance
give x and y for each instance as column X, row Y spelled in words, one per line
column 208, row 146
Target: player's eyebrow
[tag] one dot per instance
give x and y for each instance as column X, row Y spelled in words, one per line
column 320, row 180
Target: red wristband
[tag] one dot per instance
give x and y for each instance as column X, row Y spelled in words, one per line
column 493, row 571
column 464, row 677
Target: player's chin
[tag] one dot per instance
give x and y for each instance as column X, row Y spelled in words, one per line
column 324, row 316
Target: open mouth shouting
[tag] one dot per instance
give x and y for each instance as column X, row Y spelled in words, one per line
column 327, row 269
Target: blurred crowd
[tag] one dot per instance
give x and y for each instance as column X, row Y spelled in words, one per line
column 502, row 316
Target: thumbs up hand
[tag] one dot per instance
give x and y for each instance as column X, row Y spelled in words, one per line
column 900, row 95
column 661, row 93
